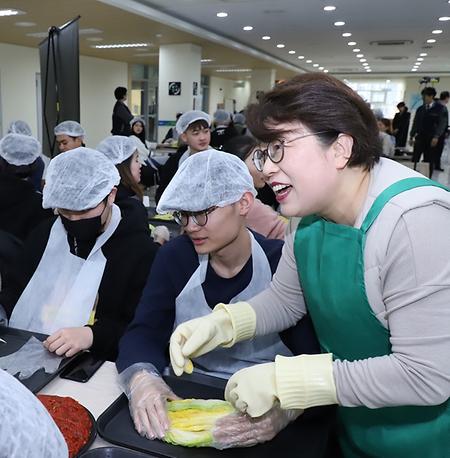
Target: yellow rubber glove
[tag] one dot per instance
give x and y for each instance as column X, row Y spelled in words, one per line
column 225, row 326
column 297, row 382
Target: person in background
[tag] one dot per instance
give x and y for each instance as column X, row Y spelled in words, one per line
column 367, row 258
column 443, row 100
column 69, row 135
column 194, row 130
column 121, row 116
column 224, row 129
column 27, row 428
column 239, row 123
column 260, row 218
column 387, row 140
column 161, row 235
column 172, row 134
column 20, row 204
column 400, row 125
column 216, row 259
column 138, row 129
column 95, row 254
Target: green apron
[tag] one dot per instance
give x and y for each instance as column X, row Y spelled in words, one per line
column 330, row 263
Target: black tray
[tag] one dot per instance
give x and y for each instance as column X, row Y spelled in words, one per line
column 16, row 338
column 306, row 437
column 114, row 452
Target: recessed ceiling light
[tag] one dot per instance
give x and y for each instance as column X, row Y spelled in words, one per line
column 325, row 71
column 320, row 68
column 418, row 64
column 204, row 61
column 423, row 54
column 233, row 70
column 291, row 52
column 356, row 50
column 158, row 35
column 280, row 45
column 431, row 40
column 10, row 12
column 309, row 61
column 121, row 45
column 444, row 18
column 420, row 59
column 300, row 57
column 365, row 64
column 339, row 23
column 359, row 55
column 437, row 31
column 222, row 14
column 346, row 34
column 315, row 65
column 368, row 70
column 388, row 81
column 94, row 39
column 25, row 24
column 266, row 37
column 351, row 43
column 363, row 60
column 247, row 27
column 414, row 69
column 332, row 8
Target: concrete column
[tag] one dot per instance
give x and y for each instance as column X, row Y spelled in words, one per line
column 180, row 63
column 262, row 80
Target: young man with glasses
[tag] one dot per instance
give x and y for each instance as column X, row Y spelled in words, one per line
column 217, row 259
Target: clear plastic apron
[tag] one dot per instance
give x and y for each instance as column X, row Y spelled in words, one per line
column 63, row 289
column 191, row 303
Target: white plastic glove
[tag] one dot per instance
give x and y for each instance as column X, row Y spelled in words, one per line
column 147, row 397
column 253, row 390
column 240, row 430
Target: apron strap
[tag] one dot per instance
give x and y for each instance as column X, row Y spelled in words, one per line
column 390, row 192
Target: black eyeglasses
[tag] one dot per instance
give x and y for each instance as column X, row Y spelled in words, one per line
column 275, row 150
column 200, row 218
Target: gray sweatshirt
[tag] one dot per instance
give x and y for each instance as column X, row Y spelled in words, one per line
column 407, row 276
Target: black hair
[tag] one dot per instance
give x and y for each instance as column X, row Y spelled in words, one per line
column 120, row 92
column 241, row 146
column 430, row 91
column 444, row 95
column 20, row 171
column 141, row 136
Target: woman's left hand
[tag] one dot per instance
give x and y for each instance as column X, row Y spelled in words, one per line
column 69, row 341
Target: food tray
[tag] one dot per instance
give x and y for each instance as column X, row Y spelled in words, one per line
column 114, row 452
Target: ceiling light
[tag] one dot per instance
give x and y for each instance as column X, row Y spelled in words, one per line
column 346, row 34
column 332, row 8
column 222, row 14
column 356, row 50
column 315, row 65
column 368, row 70
column 121, row 45
column 94, row 39
column 388, row 81
column 266, row 37
column 363, row 60
column 414, row 69
column 418, row 64
column 437, row 31
column 280, row 45
column 309, row 61
column 320, row 68
column 359, row 55
column 325, row 71
column 444, row 18
column 247, row 28
column 351, row 43
column 423, row 54
column 233, row 70
column 25, row 24
column 339, row 23
column 365, row 64
column 300, row 57
column 420, row 59
column 291, row 52
column 10, row 12
column 204, row 61
column 431, row 40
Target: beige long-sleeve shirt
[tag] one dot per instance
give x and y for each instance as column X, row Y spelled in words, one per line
column 407, row 276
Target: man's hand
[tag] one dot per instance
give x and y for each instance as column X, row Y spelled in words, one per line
column 69, row 341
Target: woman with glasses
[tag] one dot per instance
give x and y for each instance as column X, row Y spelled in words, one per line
column 217, row 259
column 368, row 261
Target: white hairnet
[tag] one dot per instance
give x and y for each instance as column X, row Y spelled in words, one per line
column 222, row 116
column 186, row 119
column 19, row 127
column 18, row 149
column 137, row 119
column 70, row 128
column 161, row 232
column 78, row 180
column 239, row 118
column 27, row 428
column 117, row 148
column 204, row 180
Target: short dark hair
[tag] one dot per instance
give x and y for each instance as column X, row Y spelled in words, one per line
column 241, row 146
column 321, row 103
column 120, row 92
column 430, row 91
column 401, row 105
column 197, row 124
column 20, row 171
column 444, row 95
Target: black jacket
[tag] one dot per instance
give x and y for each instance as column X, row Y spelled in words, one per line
column 221, row 135
column 400, row 124
column 129, row 255
column 430, row 123
column 20, row 206
column 121, row 118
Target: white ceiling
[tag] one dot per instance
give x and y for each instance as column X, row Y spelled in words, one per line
column 305, row 28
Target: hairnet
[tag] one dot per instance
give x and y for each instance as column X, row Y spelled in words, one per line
column 162, row 232
column 19, row 127
column 135, row 120
column 186, row 119
column 239, row 118
column 222, row 116
column 117, row 148
column 78, row 180
column 206, row 179
column 70, row 128
column 17, row 149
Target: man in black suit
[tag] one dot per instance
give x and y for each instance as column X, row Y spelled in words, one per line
column 121, row 116
column 430, row 122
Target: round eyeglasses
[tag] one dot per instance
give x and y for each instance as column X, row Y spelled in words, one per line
column 275, row 150
column 200, row 218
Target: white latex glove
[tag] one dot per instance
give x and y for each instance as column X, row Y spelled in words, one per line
column 253, row 389
column 240, row 430
column 69, row 341
column 147, row 402
column 199, row 336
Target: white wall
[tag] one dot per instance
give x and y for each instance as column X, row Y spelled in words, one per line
column 98, row 79
column 222, row 90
